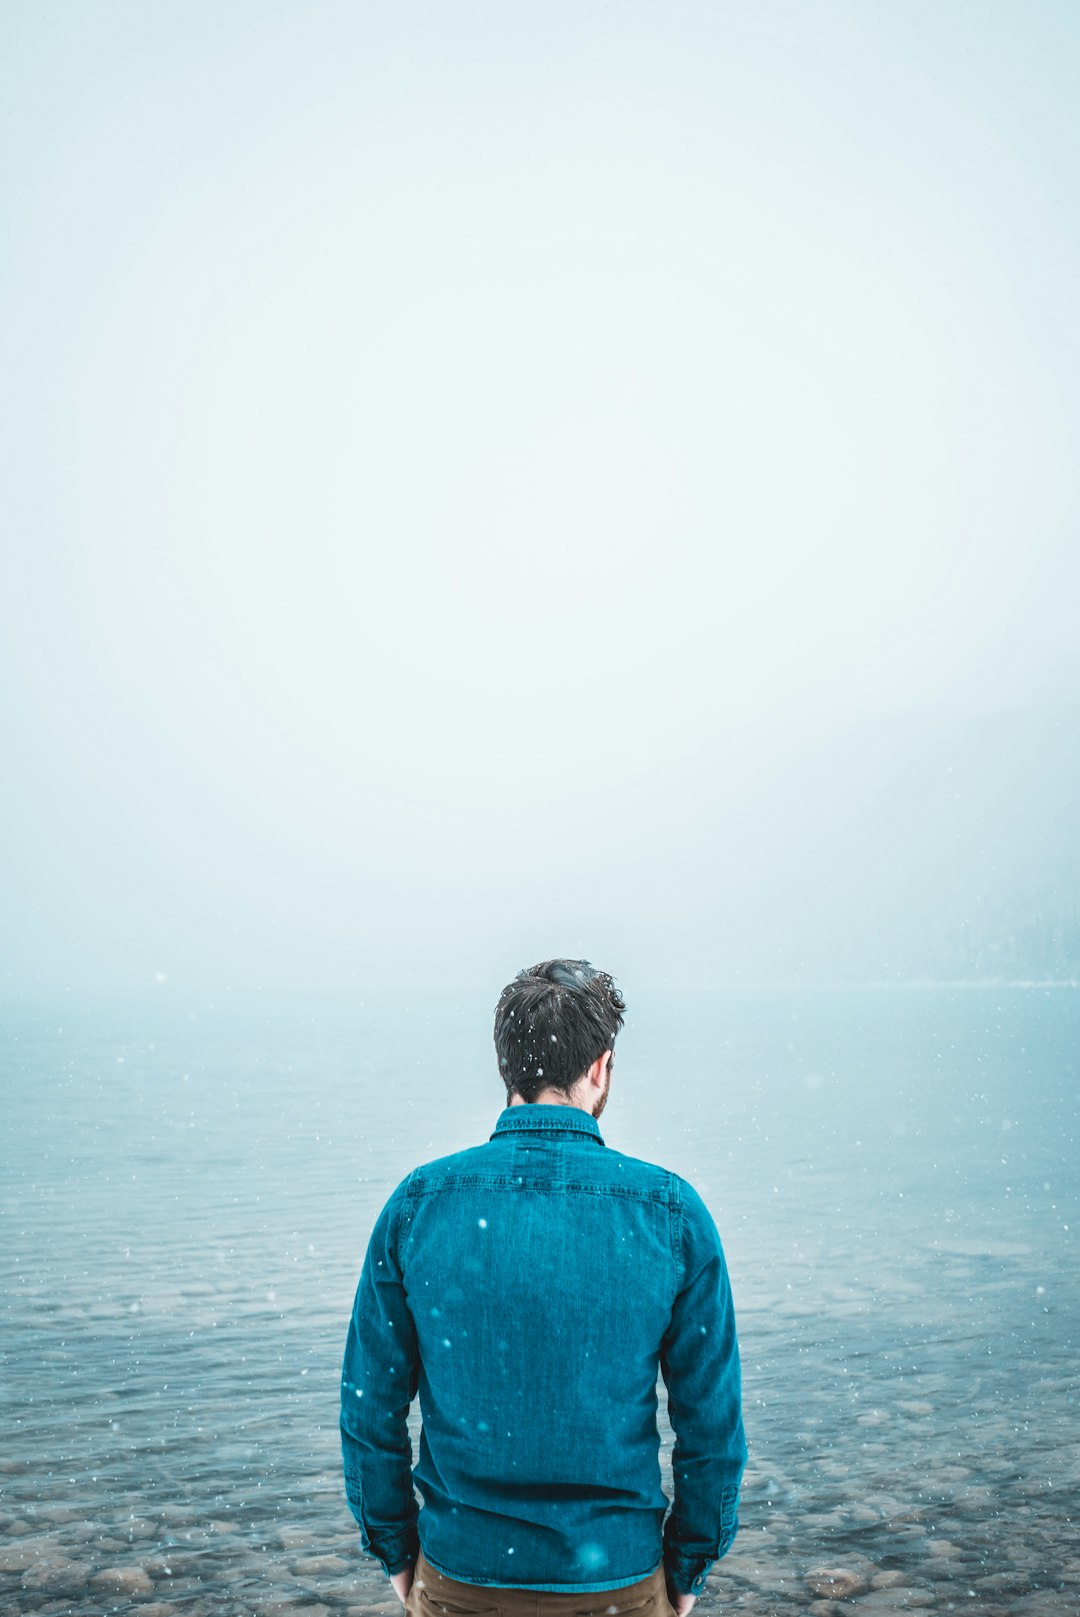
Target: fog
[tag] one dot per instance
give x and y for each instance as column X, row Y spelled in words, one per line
column 485, row 482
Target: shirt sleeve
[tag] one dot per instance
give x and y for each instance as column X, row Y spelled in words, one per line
column 699, row 1361
column 378, row 1383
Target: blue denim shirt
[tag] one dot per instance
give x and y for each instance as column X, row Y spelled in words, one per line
column 530, row 1288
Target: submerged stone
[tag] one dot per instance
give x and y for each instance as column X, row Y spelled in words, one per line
column 837, row 1583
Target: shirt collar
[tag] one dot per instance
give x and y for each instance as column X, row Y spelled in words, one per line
column 533, row 1118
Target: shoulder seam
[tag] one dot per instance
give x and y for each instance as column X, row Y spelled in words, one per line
column 675, row 1202
column 517, row 1183
column 399, row 1226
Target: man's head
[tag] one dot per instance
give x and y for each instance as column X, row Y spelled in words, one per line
column 553, row 1023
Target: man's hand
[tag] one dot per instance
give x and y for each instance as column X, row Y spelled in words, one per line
column 402, row 1582
column 681, row 1605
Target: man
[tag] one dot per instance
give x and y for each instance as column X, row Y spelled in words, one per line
column 531, row 1288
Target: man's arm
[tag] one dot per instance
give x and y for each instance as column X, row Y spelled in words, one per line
column 699, row 1360
column 378, row 1383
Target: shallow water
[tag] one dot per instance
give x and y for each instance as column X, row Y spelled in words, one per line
column 187, row 1190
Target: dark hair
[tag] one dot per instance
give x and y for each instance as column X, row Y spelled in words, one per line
column 552, row 1022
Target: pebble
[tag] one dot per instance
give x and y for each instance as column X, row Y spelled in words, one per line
column 277, row 1601
column 161, row 1566
column 996, row 1583
column 896, row 1599
column 176, row 1517
column 55, row 1575
column 837, row 1583
column 134, row 1528
column 293, row 1538
column 320, row 1566
column 122, row 1580
column 18, row 1557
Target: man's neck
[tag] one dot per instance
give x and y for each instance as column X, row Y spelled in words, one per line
column 549, row 1097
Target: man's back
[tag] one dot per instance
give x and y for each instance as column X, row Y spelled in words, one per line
column 530, row 1288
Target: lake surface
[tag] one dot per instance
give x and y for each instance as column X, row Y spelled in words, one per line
column 187, row 1190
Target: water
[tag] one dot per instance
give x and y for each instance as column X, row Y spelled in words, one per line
column 187, row 1191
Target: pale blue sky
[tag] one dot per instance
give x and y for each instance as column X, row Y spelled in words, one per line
column 463, row 462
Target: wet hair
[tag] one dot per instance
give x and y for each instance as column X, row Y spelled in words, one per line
column 551, row 1024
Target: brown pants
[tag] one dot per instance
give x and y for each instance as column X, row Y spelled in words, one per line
column 434, row 1595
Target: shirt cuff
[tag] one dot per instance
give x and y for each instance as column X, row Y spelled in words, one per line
column 393, row 1551
column 393, row 1567
column 686, row 1574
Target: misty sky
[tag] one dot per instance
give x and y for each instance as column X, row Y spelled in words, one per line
column 471, row 471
